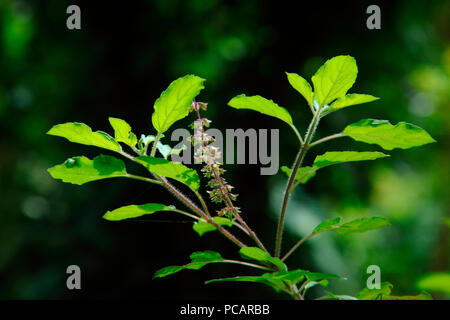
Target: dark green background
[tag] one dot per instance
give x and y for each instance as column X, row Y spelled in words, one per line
column 127, row 54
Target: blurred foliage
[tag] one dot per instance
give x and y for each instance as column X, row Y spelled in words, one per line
column 118, row 64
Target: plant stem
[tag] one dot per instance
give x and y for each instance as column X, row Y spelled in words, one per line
column 202, row 201
column 237, row 224
column 302, row 287
column 186, row 214
column 180, row 196
column 334, row 136
column 132, row 176
column 247, row 264
column 297, row 291
column 191, row 205
column 312, row 108
column 296, row 246
column 297, row 164
column 298, row 134
column 126, row 155
column 301, row 179
column 251, row 233
column 235, row 212
column 153, row 152
column 301, row 154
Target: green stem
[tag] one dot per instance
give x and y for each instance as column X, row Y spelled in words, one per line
column 237, row 224
column 302, row 287
column 287, row 192
column 297, row 292
column 298, row 134
column 296, row 246
column 301, row 179
column 251, row 233
column 247, row 264
column 186, row 214
column 334, row 136
column 311, row 108
column 155, row 143
column 132, row 176
column 202, row 201
column 300, row 156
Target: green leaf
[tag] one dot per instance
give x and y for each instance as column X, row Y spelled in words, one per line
column 355, row 226
column 80, row 170
column 435, row 282
column 275, row 284
column 326, row 225
column 274, row 279
column 348, row 100
column 198, row 260
column 339, row 296
column 167, row 271
column 317, row 276
column 384, row 293
column 145, row 140
column 362, row 225
column 335, row 157
column 83, row 134
column 293, row 277
column 304, row 174
column 164, row 149
column 311, row 284
column 260, row 104
column 254, row 253
column 302, row 86
column 203, row 227
column 177, row 151
column 421, row 296
column 175, row 101
column 334, row 79
column 173, row 170
column 122, row 132
column 206, row 256
column 167, row 150
column 403, row 135
column 134, row 211
column 375, row 294
column 257, row 254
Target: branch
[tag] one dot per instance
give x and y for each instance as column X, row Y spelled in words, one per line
column 298, row 134
column 334, row 136
column 247, row 264
column 310, row 133
column 153, row 152
column 187, row 201
column 296, row 246
column 132, row 176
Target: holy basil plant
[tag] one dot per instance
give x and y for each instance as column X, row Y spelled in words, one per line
column 327, row 94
